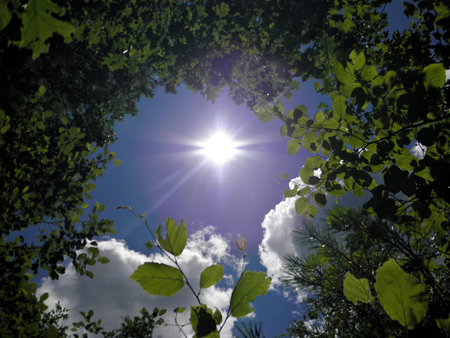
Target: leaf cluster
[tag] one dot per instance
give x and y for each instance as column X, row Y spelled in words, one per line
column 355, row 285
column 165, row 280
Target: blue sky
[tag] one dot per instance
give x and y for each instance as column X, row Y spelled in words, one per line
column 163, row 174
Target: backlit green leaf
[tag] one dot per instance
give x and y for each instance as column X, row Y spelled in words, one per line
column 368, row 73
column 218, row 316
column 339, row 107
column 344, row 75
column 290, row 193
column 357, row 289
column 293, row 146
column 309, row 142
column 251, row 285
column 211, row 275
column 176, row 238
column 330, row 124
column 39, row 24
column 434, row 76
column 319, row 117
column 301, row 205
column 358, row 59
column 403, row 296
column 158, row 279
column 313, row 162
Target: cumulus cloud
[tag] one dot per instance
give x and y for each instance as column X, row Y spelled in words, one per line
column 112, row 295
column 278, row 240
column 278, row 226
column 418, row 150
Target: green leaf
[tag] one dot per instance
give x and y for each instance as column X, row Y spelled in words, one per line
column 89, row 187
column 218, row 316
column 358, row 59
column 312, row 211
column 41, row 91
column 319, row 117
column 251, row 285
column 117, row 162
column 293, row 146
column 40, row 125
column 176, row 238
column 330, row 124
column 103, row 260
column 5, row 14
column 305, row 174
column 179, row 310
column 339, row 107
column 304, row 191
column 32, row 328
column 290, row 193
column 344, row 75
column 357, row 289
column 283, row 131
column 301, row 205
column 50, row 332
column 309, row 142
column 149, row 245
column 434, row 76
column 444, row 324
column 368, row 73
column 313, row 162
column 203, row 322
column 43, row 297
column 94, row 252
column 211, row 275
column 158, row 279
column 263, row 114
column 442, row 14
column 39, row 24
column 403, row 296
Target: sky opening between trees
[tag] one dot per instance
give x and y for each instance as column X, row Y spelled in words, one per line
column 343, row 186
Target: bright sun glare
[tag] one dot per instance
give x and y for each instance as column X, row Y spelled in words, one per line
column 219, row 148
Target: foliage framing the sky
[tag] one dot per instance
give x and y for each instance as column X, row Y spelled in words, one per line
column 388, row 91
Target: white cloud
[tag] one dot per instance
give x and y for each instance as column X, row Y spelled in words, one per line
column 447, row 74
column 112, row 295
column 279, row 240
column 278, row 226
column 418, row 150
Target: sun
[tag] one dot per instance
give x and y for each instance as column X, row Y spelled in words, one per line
column 219, row 148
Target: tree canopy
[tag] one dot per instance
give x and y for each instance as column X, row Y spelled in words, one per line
column 70, row 70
